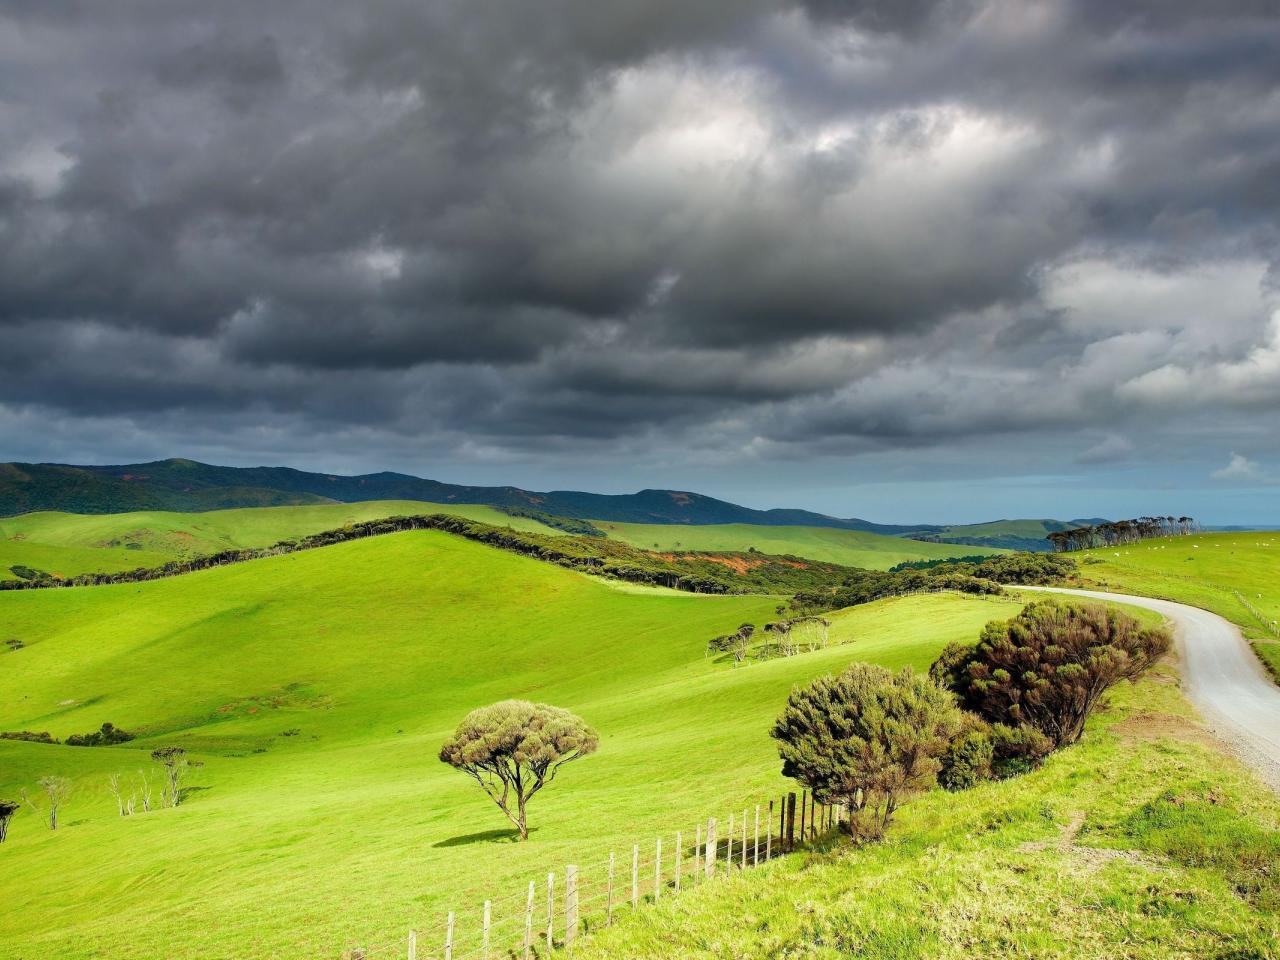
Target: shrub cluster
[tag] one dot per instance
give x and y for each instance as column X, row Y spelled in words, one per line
column 28, row 735
column 870, row 739
column 106, row 735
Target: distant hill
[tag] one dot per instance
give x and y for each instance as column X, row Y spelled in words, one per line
column 1007, row 534
column 189, row 486
column 186, row 485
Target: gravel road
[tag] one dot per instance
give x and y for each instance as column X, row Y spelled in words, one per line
column 1223, row 678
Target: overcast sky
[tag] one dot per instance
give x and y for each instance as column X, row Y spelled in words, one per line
column 901, row 260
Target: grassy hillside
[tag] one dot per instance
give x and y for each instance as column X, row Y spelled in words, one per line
column 1205, row 570
column 366, row 654
column 848, row 547
column 1142, row 842
column 67, row 544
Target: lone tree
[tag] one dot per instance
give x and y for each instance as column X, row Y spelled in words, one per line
column 175, row 763
column 7, row 809
column 55, row 790
column 1049, row 665
column 514, row 748
column 867, row 738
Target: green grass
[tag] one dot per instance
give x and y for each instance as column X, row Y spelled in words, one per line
column 1141, row 842
column 67, row 544
column 848, row 547
column 1205, row 570
column 372, row 650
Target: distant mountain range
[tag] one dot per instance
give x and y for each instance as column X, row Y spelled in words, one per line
column 185, row 485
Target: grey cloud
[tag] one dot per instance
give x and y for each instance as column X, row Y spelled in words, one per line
column 756, row 228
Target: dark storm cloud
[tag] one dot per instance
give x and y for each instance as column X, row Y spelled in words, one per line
column 640, row 224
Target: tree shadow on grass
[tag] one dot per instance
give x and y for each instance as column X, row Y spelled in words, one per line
column 485, row 836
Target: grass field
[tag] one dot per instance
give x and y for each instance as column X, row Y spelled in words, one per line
column 67, row 544
column 849, row 547
column 1141, row 843
column 367, row 654
column 1205, row 570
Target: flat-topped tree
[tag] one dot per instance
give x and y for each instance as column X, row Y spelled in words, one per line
column 514, row 748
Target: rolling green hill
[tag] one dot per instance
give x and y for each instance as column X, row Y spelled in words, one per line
column 67, row 544
column 848, row 547
column 317, row 687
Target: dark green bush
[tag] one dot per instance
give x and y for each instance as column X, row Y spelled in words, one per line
column 1048, row 666
column 105, row 736
column 967, row 761
column 868, row 739
column 28, row 735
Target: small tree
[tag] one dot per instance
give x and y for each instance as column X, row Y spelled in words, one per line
column 514, row 748
column 867, row 738
column 55, row 790
column 737, row 643
column 175, row 763
column 1048, row 666
column 7, row 809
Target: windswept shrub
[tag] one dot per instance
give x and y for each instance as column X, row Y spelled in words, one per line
column 103, row 737
column 1048, row 666
column 30, row 736
column 866, row 738
column 968, row 758
column 990, row 751
column 1017, row 750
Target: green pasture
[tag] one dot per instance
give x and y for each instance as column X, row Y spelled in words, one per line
column 316, row 689
column 67, row 544
column 851, row 548
column 1206, row 570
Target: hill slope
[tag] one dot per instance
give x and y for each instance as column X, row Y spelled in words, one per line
column 1141, row 842
column 852, row 548
column 67, row 544
column 366, row 654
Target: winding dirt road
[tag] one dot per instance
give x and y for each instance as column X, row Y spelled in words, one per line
column 1222, row 676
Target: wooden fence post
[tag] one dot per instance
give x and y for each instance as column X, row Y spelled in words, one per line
column 755, row 847
column 608, row 908
column 709, row 861
column 728, row 848
column 679, row 856
column 697, row 852
column 743, row 865
column 768, row 835
column 570, row 903
column 551, row 911
column 635, row 875
column 413, row 945
column 448, row 937
column 790, row 814
column 528, row 923
column 804, row 812
column 657, row 871
column 486, row 930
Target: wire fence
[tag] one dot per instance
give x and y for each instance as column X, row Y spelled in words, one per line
column 1271, row 626
column 552, row 911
